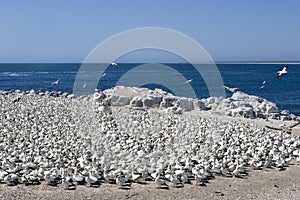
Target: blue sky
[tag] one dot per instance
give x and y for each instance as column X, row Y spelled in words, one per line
column 66, row 31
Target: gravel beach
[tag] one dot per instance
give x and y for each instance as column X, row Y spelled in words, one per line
column 49, row 141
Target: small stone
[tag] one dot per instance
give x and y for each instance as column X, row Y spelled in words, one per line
column 187, row 104
column 120, row 100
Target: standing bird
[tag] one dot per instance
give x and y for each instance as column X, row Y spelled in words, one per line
column 233, row 90
column 55, row 82
column 161, row 184
column 283, row 71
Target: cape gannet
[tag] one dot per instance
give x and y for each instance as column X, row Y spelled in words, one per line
column 231, row 89
column 283, row 71
column 55, row 82
column 263, row 84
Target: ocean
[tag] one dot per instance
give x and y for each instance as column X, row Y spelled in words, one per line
column 284, row 91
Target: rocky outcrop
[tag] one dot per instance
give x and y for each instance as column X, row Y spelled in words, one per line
column 239, row 104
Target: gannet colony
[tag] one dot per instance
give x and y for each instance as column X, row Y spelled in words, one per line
column 126, row 136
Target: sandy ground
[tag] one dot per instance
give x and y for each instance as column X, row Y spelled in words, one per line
column 267, row 184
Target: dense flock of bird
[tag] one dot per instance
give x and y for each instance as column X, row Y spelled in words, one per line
column 80, row 141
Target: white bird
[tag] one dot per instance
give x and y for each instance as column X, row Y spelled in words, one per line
column 66, row 181
column 298, row 157
column 263, row 84
column 103, row 74
column 283, row 71
column 239, row 172
column 231, row 89
column 136, row 177
column 109, row 177
column 2, row 175
column 186, row 177
column 24, row 180
column 114, row 64
column 56, row 82
column 225, row 172
column 188, row 81
column 174, row 179
column 200, row 179
column 11, row 179
column 77, row 177
column 84, row 86
column 161, row 183
column 121, row 181
column 90, row 180
column 51, row 180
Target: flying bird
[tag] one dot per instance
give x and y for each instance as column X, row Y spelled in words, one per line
column 55, row 82
column 188, row 81
column 263, row 84
column 114, row 64
column 231, row 89
column 283, row 71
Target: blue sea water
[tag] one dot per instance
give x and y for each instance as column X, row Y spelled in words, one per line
column 284, row 91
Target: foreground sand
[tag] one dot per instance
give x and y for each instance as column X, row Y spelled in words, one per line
column 267, row 184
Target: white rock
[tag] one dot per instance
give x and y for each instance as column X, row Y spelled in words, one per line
column 199, row 104
column 187, row 104
column 148, row 102
column 120, row 101
column 136, row 102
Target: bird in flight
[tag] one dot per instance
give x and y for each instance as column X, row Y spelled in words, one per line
column 283, row 71
column 188, row 81
column 114, row 64
column 55, row 82
column 263, row 84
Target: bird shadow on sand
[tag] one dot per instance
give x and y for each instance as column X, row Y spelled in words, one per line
column 142, row 183
column 124, row 188
column 163, row 188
